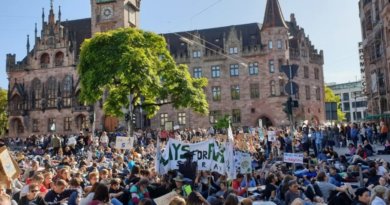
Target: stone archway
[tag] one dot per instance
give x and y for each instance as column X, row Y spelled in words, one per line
column 266, row 121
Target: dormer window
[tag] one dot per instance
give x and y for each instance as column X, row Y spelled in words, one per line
column 233, row 50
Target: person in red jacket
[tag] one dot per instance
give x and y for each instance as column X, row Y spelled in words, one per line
column 236, row 185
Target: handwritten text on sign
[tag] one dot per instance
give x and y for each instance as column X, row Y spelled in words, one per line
column 296, row 158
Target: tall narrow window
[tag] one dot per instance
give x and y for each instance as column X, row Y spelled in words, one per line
column 234, row 70
column 281, row 86
column 216, row 93
column 316, row 73
column 279, row 44
column 67, row 123
column 36, row 93
column 181, row 116
column 51, row 125
column 270, row 46
column 215, row 71
column 197, row 72
column 307, row 91
column 272, row 88
column 59, row 59
column 163, row 118
column 235, row 92
column 254, row 90
column 306, row 72
column 236, row 116
column 51, row 92
column 67, row 91
column 271, row 66
column 35, row 125
column 45, row 60
column 253, row 68
column 318, row 94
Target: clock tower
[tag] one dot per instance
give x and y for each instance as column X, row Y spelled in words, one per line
column 111, row 14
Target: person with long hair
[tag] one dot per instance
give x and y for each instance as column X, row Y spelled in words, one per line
column 378, row 197
column 101, row 195
column 139, row 191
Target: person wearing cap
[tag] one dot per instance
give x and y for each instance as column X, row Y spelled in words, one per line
column 378, row 195
column 362, row 197
column 139, row 191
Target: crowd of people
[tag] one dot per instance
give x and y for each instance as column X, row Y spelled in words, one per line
column 88, row 170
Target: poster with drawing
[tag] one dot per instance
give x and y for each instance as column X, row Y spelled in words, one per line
column 243, row 162
column 124, row 143
column 271, row 136
column 7, row 163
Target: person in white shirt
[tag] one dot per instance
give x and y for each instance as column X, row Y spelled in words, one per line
column 104, row 139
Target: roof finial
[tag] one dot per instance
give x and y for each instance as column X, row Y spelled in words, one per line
column 59, row 14
column 51, row 4
column 28, row 44
column 43, row 16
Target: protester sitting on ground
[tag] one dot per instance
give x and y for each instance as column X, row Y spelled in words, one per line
column 326, row 187
column 146, row 202
column 373, row 178
column 368, row 148
column 236, row 185
column 231, row 199
column 218, row 197
column 294, row 192
column 196, row 198
column 139, row 191
column 32, row 196
column 334, row 177
column 36, row 179
column 59, row 194
column 362, row 197
column 351, row 150
column 378, row 196
column 101, row 195
column 269, row 192
column 386, row 150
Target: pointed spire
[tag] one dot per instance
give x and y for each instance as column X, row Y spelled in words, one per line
column 59, row 14
column 273, row 16
column 36, row 32
column 51, row 13
column 28, row 44
column 43, row 16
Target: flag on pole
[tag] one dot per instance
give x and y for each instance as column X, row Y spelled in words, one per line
column 229, row 155
column 158, row 156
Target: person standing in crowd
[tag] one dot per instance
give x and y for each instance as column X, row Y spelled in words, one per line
column 318, row 136
column 104, row 139
column 56, row 143
column 354, row 134
column 384, row 130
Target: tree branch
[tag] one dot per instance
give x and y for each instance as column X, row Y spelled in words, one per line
column 153, row 104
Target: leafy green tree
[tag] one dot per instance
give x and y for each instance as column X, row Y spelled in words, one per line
column 331, row 97
column 223, row 122
column 131, row 62
column 3, row 112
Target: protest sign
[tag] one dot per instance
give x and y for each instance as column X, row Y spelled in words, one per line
column 271, row 136
column 124, row 142
column 261, row 134
column 243, row 162
column 165, row 199
column 205, row 155
column 296, row 158
column 6, row 163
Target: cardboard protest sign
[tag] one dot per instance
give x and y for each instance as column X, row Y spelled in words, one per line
column 166, row 199
column 296, row 158
column 124, row 142
column 205, row 155
column 8, row 166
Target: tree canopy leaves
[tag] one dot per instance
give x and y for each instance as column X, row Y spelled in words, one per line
column 3, row 112
column 331, row 97
column 131, row 61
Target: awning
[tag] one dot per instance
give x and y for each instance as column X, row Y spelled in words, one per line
column 377, row 117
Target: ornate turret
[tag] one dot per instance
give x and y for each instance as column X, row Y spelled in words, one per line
column 28, row 44
column 273, row 16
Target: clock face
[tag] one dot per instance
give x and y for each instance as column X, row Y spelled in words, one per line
column 107, row 12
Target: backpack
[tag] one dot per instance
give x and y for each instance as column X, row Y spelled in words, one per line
column 339, row 198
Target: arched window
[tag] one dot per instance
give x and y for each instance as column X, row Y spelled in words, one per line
column 51, row 92
column 45, row 60
column 67, row 91
column 59, row 59
column 82, row 122
column 272, row 88
column 36, row 93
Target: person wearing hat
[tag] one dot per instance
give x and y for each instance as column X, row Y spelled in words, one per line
column 181, row 189
column 362, row 197
column 378, row 197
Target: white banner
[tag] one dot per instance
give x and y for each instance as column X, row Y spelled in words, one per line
column 296, row 158
column 204, row 155
column 124, row 142
column 271, row 136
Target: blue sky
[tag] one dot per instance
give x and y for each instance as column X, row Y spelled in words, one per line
column 332, row 25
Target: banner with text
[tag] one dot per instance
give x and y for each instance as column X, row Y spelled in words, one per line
column 206, row 155
column 296, row 158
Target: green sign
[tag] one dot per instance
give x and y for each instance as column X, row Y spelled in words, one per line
column 104, row 1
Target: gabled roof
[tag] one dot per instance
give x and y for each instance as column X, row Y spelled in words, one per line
column 214, row 37
column 79, row 30
column 273, row 16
